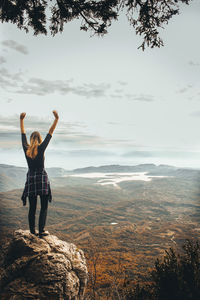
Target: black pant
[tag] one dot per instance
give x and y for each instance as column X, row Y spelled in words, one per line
column 32, row 211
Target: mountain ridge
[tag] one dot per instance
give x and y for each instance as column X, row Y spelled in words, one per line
column 14, row 177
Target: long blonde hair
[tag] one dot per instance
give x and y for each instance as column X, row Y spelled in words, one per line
column 35, row 141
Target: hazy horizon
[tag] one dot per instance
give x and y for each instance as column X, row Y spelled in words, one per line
column 108, row 164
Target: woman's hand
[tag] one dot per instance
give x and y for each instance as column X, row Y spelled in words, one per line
column 51, row 130
column 22, row 115
column 55, row 114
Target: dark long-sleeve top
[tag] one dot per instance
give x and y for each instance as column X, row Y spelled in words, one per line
column 38, row 162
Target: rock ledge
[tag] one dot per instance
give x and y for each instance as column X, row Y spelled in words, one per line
column 46, row 268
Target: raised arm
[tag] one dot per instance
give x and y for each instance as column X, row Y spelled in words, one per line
column 22, row 116
column 51, row 130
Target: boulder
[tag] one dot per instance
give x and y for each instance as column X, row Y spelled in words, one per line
column 42, row 268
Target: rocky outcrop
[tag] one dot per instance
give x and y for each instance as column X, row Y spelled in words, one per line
column 47, row 268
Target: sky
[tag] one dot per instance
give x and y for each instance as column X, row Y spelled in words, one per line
column 117, row 104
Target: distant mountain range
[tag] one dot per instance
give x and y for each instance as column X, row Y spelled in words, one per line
column 120, row 168
column 13, row 177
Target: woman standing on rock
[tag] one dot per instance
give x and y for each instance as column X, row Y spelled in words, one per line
column 37, row 182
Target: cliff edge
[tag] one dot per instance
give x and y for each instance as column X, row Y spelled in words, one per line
column 46, row 268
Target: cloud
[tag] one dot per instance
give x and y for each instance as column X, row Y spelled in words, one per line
column 133, row 97
column 160, row 154
column 2, row 60
column 16, row 83
column 89, row 153
column 118, row 93
column 70, row 135
column 195, row 114
column 138, row 154
column 114, row 123
column 42, row 87
column 121, row 124
column 11, row 124
column 117, row 96
column 123, row 83
column 82, row 140
column 9, row 80
column 9, row 100
column 194, row 64
column 185, row 89
column 15, row 46
column 92, row 90
column 140, row 97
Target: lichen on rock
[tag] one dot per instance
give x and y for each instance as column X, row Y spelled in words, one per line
column 46, row 268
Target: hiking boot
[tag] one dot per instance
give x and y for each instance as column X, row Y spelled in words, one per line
column 43, row 233
column 34, row 232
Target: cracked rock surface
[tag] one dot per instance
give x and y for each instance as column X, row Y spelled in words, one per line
column 46, row 268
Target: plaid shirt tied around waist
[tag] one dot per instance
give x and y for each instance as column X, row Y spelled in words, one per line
column 37, row 183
